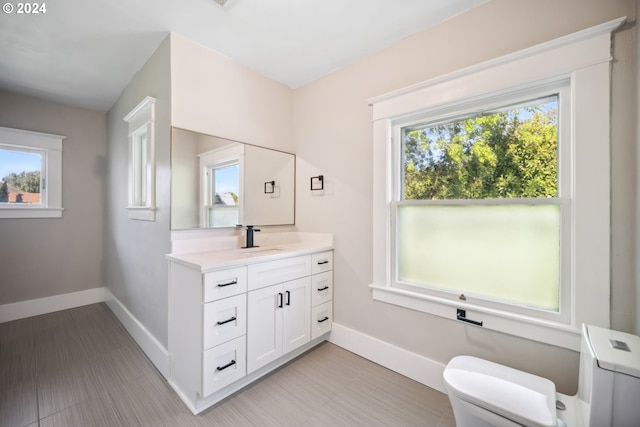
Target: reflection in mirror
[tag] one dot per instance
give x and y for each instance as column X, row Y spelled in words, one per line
column 216, row 182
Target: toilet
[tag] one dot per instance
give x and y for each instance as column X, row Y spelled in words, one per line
column 483, row 393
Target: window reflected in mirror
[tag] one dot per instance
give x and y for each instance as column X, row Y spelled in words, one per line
column 217, row 183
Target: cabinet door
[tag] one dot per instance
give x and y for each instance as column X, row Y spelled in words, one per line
column 264, row 327
column 296, row 313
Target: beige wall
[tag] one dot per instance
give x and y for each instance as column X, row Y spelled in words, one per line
column 52, row 256
column 333, row 134
column 216, row 96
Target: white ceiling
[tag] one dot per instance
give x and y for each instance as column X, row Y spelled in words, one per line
column 84, row 52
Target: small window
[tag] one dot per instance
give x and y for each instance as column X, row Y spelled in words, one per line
column 30, row 174
column 223, row 195
column 142, row 161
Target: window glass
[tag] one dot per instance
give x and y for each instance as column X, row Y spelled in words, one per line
column 142, row 170
column 506, row 253
column 505, row 153
column 225, row 185
column 20, row 176
column 479, row 212
column 223, row 209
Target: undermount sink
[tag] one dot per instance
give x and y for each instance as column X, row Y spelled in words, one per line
column 260, row 251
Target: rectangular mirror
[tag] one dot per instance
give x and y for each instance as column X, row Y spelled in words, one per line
column 217, row 183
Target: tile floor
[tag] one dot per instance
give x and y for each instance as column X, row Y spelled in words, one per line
column 79, row 367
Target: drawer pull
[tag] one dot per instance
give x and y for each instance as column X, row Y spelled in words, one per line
column 226, row 321
column 323, row 262
column 323, row 320
column 323, row 289
column 222, row 285
column 222, row 368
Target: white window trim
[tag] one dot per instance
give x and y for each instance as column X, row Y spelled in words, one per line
column 564, row 198
column 582, row 58
column 142, row 120
column 51, row 195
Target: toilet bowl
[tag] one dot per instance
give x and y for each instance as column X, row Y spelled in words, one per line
column 483, row 393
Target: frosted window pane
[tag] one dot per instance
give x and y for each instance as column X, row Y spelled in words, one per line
column 223, row 217
column 507, row 253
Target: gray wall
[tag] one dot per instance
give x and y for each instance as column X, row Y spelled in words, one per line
column 52, row 256
column 136, row 271
column 333, row 132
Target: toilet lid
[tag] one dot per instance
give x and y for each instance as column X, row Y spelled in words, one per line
column 521, row 397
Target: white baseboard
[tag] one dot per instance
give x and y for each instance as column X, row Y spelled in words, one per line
column 36, row 307
column 154, row 350
column 412, row 365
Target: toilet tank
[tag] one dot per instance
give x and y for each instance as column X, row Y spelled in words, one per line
column 609, row 382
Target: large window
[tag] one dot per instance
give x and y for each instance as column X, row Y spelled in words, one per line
column 30, row 174
column 491, row 191
column 478, row 212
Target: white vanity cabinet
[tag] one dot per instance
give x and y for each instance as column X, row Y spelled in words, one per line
column 231, row 322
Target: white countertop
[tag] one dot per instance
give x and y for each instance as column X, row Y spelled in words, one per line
column 217, row 259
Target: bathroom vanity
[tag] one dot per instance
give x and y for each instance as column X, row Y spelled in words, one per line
column 237, row 314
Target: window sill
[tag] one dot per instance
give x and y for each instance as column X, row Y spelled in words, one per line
column 17, row 213
column 142, row 213
column 560, row 335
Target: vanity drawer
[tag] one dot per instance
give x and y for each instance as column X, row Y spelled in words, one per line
column 321, row 262
column 321, row 288
column 224, row 320
column 223, row 365
column 321, row 319
column 225, row 283
column 270, row 273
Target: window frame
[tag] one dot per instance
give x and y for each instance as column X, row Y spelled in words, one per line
column 142, row 194
column 220, row 157
column 50, row 147
column 581, row 59
column 563, row 199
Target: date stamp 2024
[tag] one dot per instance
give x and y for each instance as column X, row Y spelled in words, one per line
column 24, row 8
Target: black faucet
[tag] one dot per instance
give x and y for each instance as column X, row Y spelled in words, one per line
column 250, row 231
